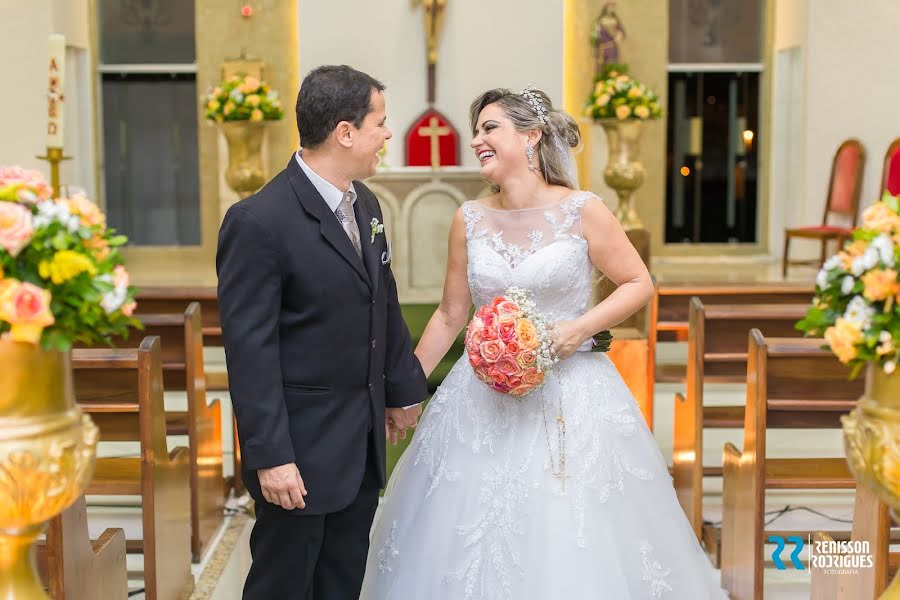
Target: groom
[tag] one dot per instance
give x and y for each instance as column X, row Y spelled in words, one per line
column 320, row 363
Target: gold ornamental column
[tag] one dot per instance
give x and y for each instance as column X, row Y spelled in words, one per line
column 224, row 35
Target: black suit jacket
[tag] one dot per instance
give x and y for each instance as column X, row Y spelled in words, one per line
column 315, row 343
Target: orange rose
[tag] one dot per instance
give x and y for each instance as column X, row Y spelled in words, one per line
column 843, row 337
column 15, row 227
column 98, row 246
column 506, row 331
column 532, row 377
column 88, row 213
column 527, row 334
column 27, row 308
column 527, row 359
column 880, row 284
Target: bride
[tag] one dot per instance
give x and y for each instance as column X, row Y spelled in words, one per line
column 565, row 494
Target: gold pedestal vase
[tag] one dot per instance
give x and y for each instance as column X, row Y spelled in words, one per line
column 872, row 444
column 245, row 173
column 47, row 454
column 624, row 173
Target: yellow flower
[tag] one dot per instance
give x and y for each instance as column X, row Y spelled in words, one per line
column 229, row 106
column 634, row 93
column 252, row 100
column 880, row 284
column 213, row 105
column 843, row 337
column 527, row 334
column 256, row 115
column 66, row 264
column 642, row 112
column 602, row 100
column 599, row 88
column 623, row 112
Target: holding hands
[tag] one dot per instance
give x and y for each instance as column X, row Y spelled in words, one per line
column 398, row 420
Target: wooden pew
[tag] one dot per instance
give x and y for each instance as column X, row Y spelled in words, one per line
column 122, row 390
column 75, row 568
column 170, row 300
column 871, row 523
column 182, row 363
column 717, row 353
column 793, row 384
column 674, row 301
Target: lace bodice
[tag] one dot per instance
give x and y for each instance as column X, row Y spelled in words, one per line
column 540, row 250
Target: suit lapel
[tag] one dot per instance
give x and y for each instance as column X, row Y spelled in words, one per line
column 330, row 227
column 369, row 250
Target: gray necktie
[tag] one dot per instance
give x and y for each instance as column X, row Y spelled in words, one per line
column 348, row 220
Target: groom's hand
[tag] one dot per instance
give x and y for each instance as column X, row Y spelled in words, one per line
column 282, row 485
column 398, row 420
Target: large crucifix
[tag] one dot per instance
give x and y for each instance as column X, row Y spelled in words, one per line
column 434, row 26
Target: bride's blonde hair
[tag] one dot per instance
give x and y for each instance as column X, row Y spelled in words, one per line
column 555, row 126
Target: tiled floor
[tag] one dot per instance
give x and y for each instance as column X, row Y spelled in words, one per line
column 779, row 585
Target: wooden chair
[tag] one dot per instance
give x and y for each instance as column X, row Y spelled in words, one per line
column 75, row 568
column 717, row 353
column 675, row 300
column 890, row 172
column 182, row 362
column 122, row 391
column 633, row 352
column 843, row 199
column 871, row 523
column 793, row 384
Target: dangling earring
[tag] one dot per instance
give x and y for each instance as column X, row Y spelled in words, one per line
column 529, row 150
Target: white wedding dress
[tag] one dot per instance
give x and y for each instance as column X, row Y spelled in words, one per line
column 473, row 510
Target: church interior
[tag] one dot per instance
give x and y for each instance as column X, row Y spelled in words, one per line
column 761, row 133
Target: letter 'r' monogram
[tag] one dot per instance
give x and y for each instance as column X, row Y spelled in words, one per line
column 795, row 555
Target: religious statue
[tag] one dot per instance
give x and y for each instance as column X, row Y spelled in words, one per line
column 606, row 35
column 434, row 24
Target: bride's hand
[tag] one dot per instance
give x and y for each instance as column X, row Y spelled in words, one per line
column 567, row 338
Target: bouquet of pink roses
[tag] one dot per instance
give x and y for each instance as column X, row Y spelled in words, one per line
column 509, row 344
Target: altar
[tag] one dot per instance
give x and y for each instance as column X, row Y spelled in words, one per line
column 418, row 204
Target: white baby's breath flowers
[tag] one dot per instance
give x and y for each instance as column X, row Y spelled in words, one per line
column 50, row 211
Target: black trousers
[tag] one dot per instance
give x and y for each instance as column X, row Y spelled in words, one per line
column 317, row 557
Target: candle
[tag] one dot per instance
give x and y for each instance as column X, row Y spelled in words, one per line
column 55, row 97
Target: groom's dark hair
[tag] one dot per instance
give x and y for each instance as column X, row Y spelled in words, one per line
column 331, row 94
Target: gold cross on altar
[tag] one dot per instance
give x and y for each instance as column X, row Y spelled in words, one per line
column 434, row 132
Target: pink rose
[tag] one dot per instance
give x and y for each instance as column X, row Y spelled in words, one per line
column 514, row 381
column 491, row 350
column 23, row 185
column 120, row 276
column 508, row 366
column 497, row 301
column 509, row 307
column 487, row 309
column 513, row 347
column 128, row 309
column 497, row 377
column 506, row 331
column 489, row 333
column 507, row 318
column 15, row 227
column 26, row 307
column 489, row 320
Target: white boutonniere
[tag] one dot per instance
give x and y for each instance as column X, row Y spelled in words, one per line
column 376, row 228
